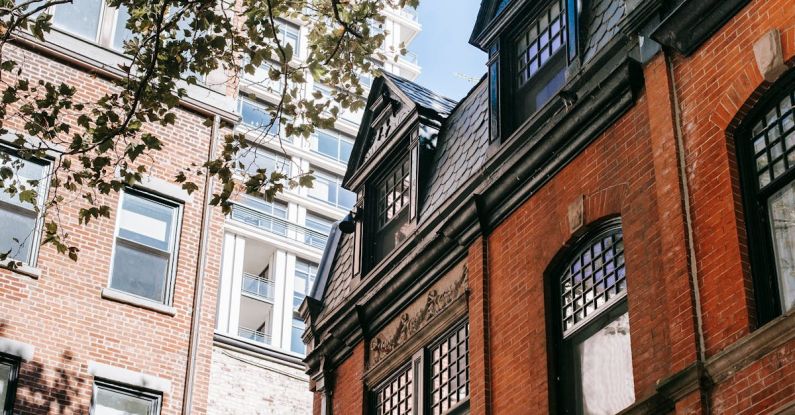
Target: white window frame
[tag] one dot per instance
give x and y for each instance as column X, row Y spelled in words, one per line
column 155, row 398
column 106, row 28
column 44, row 187
column 168, row 296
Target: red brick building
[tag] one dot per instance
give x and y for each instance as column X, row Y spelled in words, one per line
column 603, row 225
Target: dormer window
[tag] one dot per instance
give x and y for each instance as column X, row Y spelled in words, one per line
column 393, row 194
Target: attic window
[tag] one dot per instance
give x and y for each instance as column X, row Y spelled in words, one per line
column 393, row 193
column 391, row 198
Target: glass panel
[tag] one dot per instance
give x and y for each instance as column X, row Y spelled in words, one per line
column 450, row 371
column 120, row 32
column 257, row 116
column 543, row 39
column 139, row 272
column 147, row 222
column 303, row 281
column 5, row 381
column 347, row 146
column 81, row 17
column 17, row 227
column 27, row 174
column 296, row 342
column 605, row 361
column 108, row 402
column 327, row 144
column 782, row 219
column 395, row 397
column 255, row 158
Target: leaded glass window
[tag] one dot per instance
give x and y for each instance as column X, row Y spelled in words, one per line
column 393, row 193
column 394, row 397
column 545, row 37
column 594, row 278
column 450, row 371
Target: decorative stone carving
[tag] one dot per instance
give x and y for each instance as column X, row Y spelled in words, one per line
column 418, row 315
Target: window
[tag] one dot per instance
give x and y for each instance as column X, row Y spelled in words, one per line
column 20, row 221
column 112, row 399
column 594, row 325
column 392, row 201
column 303, row 281
column 331, row 145
column 290, row 35
column 9, row 371
column 441, row 387
column 120, row 31
column 296, row 336
column 541, row 59
column 80, row 17
column 494, row 92
column 254, row 158
column 319, row 229
column 327, row 187
column 255, row 115
column 269, row 216
column 767, row 163
column 145, row 248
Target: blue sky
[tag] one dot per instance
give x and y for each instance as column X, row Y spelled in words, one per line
column 443, row 48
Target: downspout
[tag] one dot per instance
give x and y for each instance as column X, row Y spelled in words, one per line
column 691, row 247
column 198, row 289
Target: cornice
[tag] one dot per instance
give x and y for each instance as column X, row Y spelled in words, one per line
column 692, row 22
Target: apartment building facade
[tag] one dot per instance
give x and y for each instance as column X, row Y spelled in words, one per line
column 604, row 225
column 172, row 307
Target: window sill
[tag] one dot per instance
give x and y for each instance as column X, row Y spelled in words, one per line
column 23, row 269
column 122, row 297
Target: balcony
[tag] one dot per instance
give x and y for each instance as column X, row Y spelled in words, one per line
column 255, row 335
column 260, row 287
column 409, row 13
column 278, row 226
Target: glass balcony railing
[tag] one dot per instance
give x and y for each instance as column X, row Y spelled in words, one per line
column 257, row 336
column 278, row 226
column 409, row 57
column 409, row 13
column 258, row 286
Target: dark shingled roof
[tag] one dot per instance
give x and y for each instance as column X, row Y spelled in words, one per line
column 460, row 151
column 603, row 24
column 422, row 96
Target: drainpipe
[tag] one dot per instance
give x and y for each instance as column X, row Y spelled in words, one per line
column 680, row 150
column 198, row 289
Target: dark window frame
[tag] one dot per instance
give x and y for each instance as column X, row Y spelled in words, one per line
column 156, row 398
column 373, row 229
column 764, row 275
column 13, row 381
column 565, row 395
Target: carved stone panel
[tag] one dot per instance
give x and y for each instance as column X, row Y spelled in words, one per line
column 420, row 314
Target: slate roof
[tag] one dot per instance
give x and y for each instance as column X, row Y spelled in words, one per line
column 460, row 151
column 422, row 96
column 603, row 24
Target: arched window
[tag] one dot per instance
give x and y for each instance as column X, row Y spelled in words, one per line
column 766, row 151
column 594, row 357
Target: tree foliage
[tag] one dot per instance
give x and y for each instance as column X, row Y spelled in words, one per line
column 101, row 145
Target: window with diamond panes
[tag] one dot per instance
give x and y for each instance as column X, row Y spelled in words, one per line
column 395, row 396
column 450, row 371
column 774, row 141
column 393, row 193
column 545, row 36
column 596, row 277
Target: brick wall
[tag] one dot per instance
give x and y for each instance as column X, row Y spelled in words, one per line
column 62, row 314
column 242, row 384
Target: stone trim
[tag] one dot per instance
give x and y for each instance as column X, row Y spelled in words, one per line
column 21, row 268
column 263, row 352
column 128, row 377
column 21, row 350
column 122, row 297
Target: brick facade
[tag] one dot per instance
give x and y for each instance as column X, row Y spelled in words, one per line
column 665, row 194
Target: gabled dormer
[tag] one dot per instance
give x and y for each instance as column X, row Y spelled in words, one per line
column 392, row 150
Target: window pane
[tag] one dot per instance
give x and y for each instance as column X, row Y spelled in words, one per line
column 345, row 150
column 327, row 144
column 782, row 219
column 296, row 342
column 81, row 17
column 5, row 381
column 108, row 402
column 605, row 361
column 17, row 227
column 450, row 371
column 120, row 32
column 395, row 397
column 303, row 281
column 140, row 273
column 257, row 116
column 27, row 174
column 147, row 222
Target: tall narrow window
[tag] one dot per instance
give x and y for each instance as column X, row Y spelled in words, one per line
column 9, row 368
column 450, row 371
column 768, row 170
column 303, row 281
column 494, row 91
column 20, row 220
column 146, row 241
column 392, row 209
column 595, row 361
column 394, row 397
column 541, row 59
column 112, row 399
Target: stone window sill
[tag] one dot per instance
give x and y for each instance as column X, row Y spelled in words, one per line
column 23, row 269
column 122, row 297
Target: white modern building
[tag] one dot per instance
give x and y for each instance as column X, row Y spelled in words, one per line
column 272, row 249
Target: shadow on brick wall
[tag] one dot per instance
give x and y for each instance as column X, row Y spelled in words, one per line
column 50, row 390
